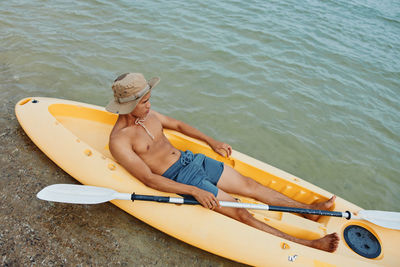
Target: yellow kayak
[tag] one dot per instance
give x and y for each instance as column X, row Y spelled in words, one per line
column 75, row 136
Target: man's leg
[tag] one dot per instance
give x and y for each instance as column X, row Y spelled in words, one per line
column 233, row 182
column 328, row 243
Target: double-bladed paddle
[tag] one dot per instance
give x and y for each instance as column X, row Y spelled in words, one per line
column 84, row 194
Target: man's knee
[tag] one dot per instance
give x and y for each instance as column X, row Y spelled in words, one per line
column 244, row 216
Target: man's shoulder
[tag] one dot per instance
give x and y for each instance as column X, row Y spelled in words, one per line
column 121, row 135
column 157, row 115
column 120, row 143
column 164, row 120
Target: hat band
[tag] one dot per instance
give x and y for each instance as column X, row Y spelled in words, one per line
column 135, row 96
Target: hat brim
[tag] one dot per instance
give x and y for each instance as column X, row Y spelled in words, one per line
column 118, row 108
column 125, row 108
column 153, row 82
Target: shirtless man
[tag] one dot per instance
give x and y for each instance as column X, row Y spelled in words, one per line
column 138, row 143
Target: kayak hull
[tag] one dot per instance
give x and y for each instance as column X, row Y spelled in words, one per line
column 75, row 136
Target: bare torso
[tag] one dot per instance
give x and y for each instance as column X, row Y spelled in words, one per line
column 158, row 154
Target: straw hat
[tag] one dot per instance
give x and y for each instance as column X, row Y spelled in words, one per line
column 129, row 89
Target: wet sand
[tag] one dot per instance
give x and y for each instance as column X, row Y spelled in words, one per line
column 39, row 233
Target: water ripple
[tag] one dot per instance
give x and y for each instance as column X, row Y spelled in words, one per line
column 311, row 87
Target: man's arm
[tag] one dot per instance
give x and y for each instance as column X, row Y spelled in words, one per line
column 173, row 124
column 125, row 156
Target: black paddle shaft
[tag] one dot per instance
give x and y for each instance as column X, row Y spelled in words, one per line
column 310, row 211
column 347, row 214
column 162, row 199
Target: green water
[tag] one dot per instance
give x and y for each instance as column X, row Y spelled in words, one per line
column 311, row 87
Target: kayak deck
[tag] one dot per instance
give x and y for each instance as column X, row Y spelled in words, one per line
column 84, row 130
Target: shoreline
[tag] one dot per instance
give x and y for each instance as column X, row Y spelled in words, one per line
column 42, row 233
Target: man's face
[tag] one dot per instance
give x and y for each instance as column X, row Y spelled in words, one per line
column 143, row 107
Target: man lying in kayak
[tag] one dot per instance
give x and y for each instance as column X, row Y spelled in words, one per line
column 138, row 143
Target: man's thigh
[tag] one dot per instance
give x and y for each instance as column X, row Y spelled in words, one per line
column 232, row 181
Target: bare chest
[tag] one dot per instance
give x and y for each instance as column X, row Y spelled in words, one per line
column 148, row 137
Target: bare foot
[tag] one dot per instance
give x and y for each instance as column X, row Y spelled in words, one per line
column 328, row 243
column 327, row 205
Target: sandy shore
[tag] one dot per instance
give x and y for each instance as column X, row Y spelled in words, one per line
column 39, row 233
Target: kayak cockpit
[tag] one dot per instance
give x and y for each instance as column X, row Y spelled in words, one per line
column 93, row 126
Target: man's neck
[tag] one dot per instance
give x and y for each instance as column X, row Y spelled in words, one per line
column 130, row 118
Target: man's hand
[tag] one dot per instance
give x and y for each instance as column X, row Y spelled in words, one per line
column 221, row 148
column 207, row 199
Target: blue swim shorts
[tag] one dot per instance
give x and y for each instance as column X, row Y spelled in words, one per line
column 197, row 170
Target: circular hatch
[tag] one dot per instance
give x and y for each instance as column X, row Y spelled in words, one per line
column 362, row 241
